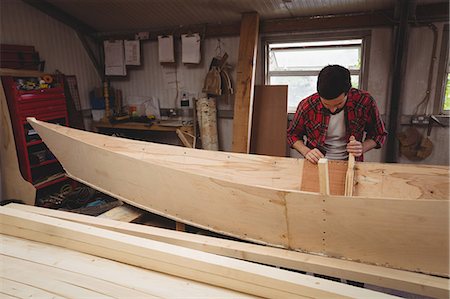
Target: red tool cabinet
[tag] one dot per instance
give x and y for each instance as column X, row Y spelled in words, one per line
column 37, row 163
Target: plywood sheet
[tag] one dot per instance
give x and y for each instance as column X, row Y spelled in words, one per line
column 269, row 120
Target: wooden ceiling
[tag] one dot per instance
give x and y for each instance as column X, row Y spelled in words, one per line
column 153, row 15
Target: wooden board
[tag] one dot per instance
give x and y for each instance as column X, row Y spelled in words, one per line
column 33, row 269
column 415, row 283
column 13, row 185
column 243, row 100
column 269, row 120
column 310, row 177
column 410, row 234
column 379, row 230
column 125, row 213
column 377, row 180
column 224, row 272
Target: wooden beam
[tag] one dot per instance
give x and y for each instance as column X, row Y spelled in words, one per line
column 243, row 101
column 380, row 276
column 349, row 176
column 31, row 269
column 398, row 74
column 221, row 271
column 125, row 213
column 91, row 53
column 12, row 184
column 324, row 177
column 60, row 15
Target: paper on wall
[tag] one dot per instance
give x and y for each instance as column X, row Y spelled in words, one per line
column 165, row 48
column 190, row 48
column 170, row 77
column 114, row 58
column 132, row 52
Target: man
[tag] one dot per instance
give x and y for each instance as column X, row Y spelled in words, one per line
column 331, row 123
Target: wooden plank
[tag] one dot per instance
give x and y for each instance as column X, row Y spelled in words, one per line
column 225, row 272
column 21, row 73
column 324, row 177
column 336, row 170
column 380, row 276
column 410, row 234
column 125, row 213
column 13, row 185
column 406, row 181
column 269, row 120
column 376, row 180
column 33, row 269
column 243, row 100
column 349, row 176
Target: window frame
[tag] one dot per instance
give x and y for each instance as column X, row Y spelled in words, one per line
column 364, row 35
column 441, row 79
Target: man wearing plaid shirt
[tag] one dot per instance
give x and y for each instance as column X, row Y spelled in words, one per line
column 331, row 123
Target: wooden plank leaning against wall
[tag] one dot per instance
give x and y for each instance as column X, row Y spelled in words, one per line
column 243, row 104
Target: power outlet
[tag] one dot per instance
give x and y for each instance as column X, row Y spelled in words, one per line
column 420, row 119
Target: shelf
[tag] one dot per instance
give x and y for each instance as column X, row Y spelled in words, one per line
column 51, row 180
column 44, row 163
column 34, row 142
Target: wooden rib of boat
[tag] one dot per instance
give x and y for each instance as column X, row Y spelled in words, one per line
column 398, row 215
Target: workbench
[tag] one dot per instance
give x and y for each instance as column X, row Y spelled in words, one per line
column 170, row 126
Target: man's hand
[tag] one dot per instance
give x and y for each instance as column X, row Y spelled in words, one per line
column 354, row 147
column 314, row 155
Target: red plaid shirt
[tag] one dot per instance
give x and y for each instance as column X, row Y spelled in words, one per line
column 361, row 115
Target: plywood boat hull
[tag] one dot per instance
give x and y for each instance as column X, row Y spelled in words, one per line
column 258, row 198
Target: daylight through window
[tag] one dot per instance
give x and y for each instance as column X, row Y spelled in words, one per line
column 298, row 64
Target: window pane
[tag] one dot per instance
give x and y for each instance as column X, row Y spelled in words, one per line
column 300, row 87
column 447, row 94
column 313, row 58
column 316, row 43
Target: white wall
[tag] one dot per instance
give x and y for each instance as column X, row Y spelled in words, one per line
column 61, row 48
column 56, row 43
column 416, row 80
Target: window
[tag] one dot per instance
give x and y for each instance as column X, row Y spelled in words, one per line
column 297, row 64
column 442, row 101
column 447, row 91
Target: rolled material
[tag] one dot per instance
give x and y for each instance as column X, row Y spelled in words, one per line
column 207, row 122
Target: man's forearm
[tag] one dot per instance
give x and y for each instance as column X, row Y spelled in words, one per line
column 301, row 147
column 368, row 144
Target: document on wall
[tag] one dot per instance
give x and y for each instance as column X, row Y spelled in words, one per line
column 132, row 52
column 190, row 48
column 170, row 77
column 165, row 48
column 114, row 58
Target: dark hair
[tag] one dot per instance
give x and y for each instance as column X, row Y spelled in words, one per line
column 333, row 81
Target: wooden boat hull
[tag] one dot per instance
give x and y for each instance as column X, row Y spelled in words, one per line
column 258, row 198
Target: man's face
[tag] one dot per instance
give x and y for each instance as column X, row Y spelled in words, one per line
column 335, row 105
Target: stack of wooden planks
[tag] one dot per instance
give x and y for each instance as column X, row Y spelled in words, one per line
column 194, row 264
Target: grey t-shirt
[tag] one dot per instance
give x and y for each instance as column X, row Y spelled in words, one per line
column 335, row 143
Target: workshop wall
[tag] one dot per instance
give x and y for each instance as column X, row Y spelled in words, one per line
column 148, row 80
column 56, row 43
column 420, row 48
column 60, row 47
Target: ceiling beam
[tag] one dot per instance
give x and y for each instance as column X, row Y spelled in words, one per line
column 61, row 16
